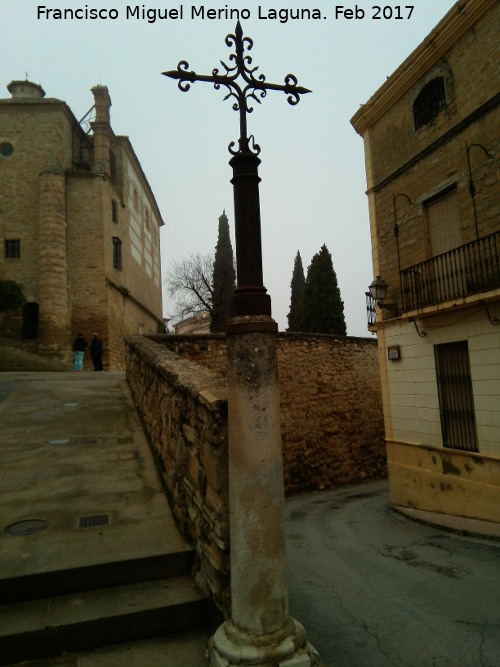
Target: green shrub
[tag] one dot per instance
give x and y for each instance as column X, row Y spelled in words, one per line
column 11, row 295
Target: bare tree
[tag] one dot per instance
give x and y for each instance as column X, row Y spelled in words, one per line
column 190, row 283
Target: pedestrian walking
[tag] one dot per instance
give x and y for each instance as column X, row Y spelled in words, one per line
column 96, row 352
column 79, row 347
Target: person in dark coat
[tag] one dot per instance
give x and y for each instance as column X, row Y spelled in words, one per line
column 79, row 347
column 96, row 352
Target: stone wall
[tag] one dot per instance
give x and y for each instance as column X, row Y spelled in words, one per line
column 184, row 410
column 332, row 426
column 422, row 163
column 331, row 411
column 66, row 216
column 331, row 405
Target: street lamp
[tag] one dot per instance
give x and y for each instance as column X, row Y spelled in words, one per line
column 378, row 290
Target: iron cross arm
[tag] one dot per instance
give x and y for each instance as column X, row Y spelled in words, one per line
column 253, row 89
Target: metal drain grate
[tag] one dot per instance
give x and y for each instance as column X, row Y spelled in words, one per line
column 94, row 520
column 89, row 441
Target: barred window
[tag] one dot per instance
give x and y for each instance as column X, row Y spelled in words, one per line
column 117, row 253
column 456, row 399
column 12, row 248
column 429, row 102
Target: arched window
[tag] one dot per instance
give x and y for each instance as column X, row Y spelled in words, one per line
column 429, row 102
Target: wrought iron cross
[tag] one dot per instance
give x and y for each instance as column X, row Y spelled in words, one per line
column 253, row 88
column 250, row 296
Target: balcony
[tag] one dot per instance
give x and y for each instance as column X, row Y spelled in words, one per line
column 469, row 269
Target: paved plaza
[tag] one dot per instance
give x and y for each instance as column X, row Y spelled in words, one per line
column 372, row 587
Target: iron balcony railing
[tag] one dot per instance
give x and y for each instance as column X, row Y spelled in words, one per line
column 469, row 269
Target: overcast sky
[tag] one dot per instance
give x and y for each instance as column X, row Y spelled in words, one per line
column 313, row 178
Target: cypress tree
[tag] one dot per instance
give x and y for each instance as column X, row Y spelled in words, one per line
column 223, row 278
column 297, row 287
column 322, row 306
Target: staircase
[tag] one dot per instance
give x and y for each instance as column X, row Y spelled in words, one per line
column 86, row 608
column 90, row 555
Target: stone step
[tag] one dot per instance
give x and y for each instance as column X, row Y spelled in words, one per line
column 86, row 620
column 95, row 576
column 182, row 649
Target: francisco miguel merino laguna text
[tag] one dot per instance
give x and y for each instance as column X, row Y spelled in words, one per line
column 151, row 15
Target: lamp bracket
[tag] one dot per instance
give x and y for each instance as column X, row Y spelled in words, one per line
column 422, row 334
column 391, row 307
column 493, row 320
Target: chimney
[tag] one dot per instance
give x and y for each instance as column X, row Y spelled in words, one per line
column 103, row 135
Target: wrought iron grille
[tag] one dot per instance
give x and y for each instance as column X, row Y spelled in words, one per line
column 469, row 269
column 456, row 400
column 430, row 101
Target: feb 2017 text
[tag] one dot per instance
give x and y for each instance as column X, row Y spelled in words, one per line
column 203, row 12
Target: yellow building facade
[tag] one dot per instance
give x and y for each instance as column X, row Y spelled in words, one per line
column 79, row 225
column 432, row 150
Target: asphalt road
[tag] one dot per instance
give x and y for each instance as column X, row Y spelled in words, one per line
column 376, row 589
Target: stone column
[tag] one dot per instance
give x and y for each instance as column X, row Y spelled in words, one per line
column 54, row 311
column 258, row 561
column 260, row 631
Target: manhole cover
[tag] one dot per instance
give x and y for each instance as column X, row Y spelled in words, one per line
column 26, row 527
column 58, row 441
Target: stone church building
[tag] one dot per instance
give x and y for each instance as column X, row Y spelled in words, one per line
column 79, row 225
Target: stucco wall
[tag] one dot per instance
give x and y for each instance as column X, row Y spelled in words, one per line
column 422, row 473
column 414, row 415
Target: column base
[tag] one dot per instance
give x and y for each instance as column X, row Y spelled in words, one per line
column 233, row 647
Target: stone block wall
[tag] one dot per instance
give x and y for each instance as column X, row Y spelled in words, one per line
column 425, row 162
column 331, row 411
column 66, row 214
column 332, row 426
column 183, row 406
column 331, row 404
column 11, row 324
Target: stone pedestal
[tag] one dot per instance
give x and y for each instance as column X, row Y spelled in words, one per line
column 260, row 631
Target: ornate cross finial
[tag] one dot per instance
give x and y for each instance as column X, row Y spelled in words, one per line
column 253, row 88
